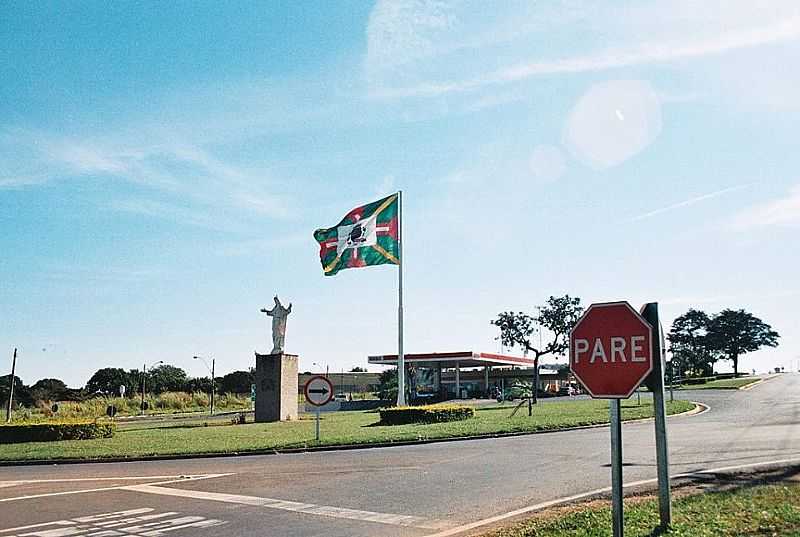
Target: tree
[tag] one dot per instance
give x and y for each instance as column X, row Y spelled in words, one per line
column 21, row 392
column 387, row 385
column 236, row 382
column 199, row 384
column 733, row 333
column 107, row 381
column 48, row 390
column 166, row 378
column 692, row 353
column 358, row 370
column 557, row 316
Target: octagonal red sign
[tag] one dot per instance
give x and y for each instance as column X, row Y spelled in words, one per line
column 610, row 350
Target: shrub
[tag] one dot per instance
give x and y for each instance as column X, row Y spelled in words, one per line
column 425, row 414
column 50, row 432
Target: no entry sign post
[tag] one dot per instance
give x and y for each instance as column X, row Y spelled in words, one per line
column 318, row 391
column 612, row 349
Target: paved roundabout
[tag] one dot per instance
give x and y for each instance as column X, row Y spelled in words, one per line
column 424, row 490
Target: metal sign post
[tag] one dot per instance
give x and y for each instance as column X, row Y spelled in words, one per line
column 612, row 349
column 318, row 411
column 616, row 466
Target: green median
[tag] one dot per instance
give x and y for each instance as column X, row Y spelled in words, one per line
column 770, row 510
column 723, row 384
column 187, row 437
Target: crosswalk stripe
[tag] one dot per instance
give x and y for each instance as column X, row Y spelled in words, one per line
column 297, row 507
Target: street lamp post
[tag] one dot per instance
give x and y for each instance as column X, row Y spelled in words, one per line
column 144, row 383
column 11, row 387
column 211, row 370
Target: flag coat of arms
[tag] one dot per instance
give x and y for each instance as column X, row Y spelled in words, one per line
column 367, row 235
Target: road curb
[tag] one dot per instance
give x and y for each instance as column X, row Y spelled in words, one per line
column 342, row 447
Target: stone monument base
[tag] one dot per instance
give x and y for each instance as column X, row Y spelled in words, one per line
column 276, row 387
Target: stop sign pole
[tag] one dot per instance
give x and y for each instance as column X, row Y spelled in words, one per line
column 612, row 351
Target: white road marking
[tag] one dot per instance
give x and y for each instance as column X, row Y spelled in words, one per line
column 544, row 505
column 116, row 487
column 16, row 482
column 297, row 507
column 142, row 522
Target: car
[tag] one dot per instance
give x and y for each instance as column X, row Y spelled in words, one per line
column 512, row 393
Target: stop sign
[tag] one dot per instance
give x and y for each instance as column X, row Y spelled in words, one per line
column 610, row 350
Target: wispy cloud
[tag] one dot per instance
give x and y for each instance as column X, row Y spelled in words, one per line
column 688, row 202
column 781, row 212
column 177, row 179
column 405, row 57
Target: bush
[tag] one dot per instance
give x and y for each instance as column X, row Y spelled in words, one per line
column 425, row 414
column 50, row 432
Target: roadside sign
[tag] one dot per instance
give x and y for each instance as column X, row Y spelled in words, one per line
column 318, row 390
column 122, row 390
column 253, row 393
column 610, row 350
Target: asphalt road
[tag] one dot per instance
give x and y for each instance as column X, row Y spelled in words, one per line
column 403, row 491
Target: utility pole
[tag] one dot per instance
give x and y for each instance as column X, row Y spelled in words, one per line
column 144, row 379
column 213, row 388
column 211, row 370
column 11, row 387
column 144, row 383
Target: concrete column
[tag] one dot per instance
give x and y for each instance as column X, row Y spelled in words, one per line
column 276, row 387
column 458, row 380
column 486, row 380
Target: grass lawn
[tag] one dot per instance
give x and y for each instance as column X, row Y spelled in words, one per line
column 724, row 384
column 772, row 510
column 337, row 428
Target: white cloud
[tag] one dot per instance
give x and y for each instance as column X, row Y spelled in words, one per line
column 197, row 182
column 427, row 48
column 784, row 212
column 688, row 202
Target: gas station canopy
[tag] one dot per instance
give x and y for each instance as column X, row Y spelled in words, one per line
column 453, row 359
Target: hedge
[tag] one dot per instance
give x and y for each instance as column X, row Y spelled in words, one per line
column 50, row 432
column 425, row 414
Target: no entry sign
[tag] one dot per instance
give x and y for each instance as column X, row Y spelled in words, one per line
column 610, row 350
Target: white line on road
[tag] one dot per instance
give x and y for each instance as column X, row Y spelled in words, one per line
column 142, row 522
column 297, row 507
column 544, row 505
column 16, row 482
column 102, row 489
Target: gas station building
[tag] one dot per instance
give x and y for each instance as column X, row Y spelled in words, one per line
column 459, row 375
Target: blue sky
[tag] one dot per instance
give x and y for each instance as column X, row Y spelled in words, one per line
column 163, row 167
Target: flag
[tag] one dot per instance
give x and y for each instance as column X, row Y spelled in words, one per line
column 367, row 235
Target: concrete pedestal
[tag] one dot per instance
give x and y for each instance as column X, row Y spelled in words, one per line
column 276, row 387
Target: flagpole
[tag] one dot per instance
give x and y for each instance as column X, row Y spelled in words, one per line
column 401, row 363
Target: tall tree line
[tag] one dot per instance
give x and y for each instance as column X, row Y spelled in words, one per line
column 698, row 340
